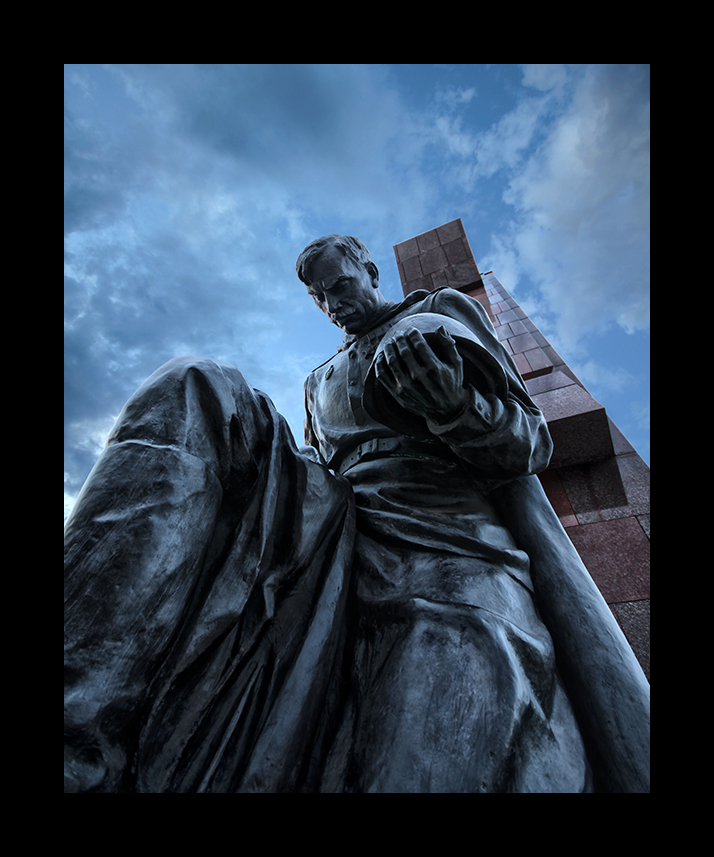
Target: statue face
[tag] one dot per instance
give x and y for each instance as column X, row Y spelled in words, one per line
column 345, row 291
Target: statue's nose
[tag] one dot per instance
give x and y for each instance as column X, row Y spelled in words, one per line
column 333, row 302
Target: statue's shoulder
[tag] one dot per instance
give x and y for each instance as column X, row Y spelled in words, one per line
column 455, row 304
column 318, row 372
column 323, row 364
column 447, row 298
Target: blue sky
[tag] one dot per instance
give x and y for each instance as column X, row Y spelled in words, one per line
column 190, row 190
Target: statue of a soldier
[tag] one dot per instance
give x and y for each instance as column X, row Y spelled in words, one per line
column 373, row 612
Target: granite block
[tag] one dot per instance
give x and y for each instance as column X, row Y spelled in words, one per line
column 593, row 487
column 577, row 423
column 412, row 268
column 451, row 231
column 566, row 402
column 463, row 275
column 634, row 619
column 548, row 382
column 438, row 280
column 566, row 370
column 483, row 300
column 555, row 492
column 580, row 438
column 635, row 475
column 456, row 252
column 433, row 260
column 617, row 555
column 523, row 366
column 508, row 315
column 554, row 356
column 644, row 522
column 524, row 342
column 619, row 441
column 538, row 359
column 618, row 487
column 407, row 249
column 427, row 240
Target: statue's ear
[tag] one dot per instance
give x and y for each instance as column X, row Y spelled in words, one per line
column 373, row 273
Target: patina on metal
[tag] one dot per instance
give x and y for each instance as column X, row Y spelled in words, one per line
column 391, row 608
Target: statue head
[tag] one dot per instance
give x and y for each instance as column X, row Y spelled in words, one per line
column 342, row 280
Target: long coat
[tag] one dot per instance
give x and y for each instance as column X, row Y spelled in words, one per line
column 242, row 618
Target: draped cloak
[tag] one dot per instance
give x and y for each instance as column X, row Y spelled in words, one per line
column 242, row 618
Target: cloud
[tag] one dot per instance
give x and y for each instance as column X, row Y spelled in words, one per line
column 503, row 145
column 575, row 159
column 454, row 96
column 96, row 177
column 321, row 133
column 581, row 202
column 600, row 379
column 480, row 155
column 544, row 76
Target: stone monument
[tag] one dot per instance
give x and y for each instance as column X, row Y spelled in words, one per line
column 392, row 608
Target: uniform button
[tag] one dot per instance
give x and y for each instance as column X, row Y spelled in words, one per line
column 352, row 355
column 353, row 383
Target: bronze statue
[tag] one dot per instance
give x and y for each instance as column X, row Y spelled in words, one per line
column 392, row 608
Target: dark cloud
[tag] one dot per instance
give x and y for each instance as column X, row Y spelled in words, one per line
column 98, row 174
column 243, row 110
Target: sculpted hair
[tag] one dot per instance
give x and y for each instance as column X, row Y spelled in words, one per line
column 350, row 247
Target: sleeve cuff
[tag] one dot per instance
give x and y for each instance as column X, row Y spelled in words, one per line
column 476, row 416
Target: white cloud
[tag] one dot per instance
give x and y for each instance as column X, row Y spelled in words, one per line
column 455, row 96
column 481, row 155
column 544, row 76
column 582, row 202
column 599, row 379
column 503, row 260
column 503, row 145
column 641, row 414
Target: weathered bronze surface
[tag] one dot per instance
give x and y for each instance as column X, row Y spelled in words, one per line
column 393, row 607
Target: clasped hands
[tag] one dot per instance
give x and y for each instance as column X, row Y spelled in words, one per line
column 420, row 381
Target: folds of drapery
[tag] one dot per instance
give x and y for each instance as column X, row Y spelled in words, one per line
column 206, row 571
column 452, row 686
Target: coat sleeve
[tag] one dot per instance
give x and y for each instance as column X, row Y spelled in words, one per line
column 503, row 438
column 311, row 449
column 310, row 439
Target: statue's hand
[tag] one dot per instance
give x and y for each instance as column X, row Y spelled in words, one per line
column 420, row 381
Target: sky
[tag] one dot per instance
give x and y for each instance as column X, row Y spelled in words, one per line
column 190, row 191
